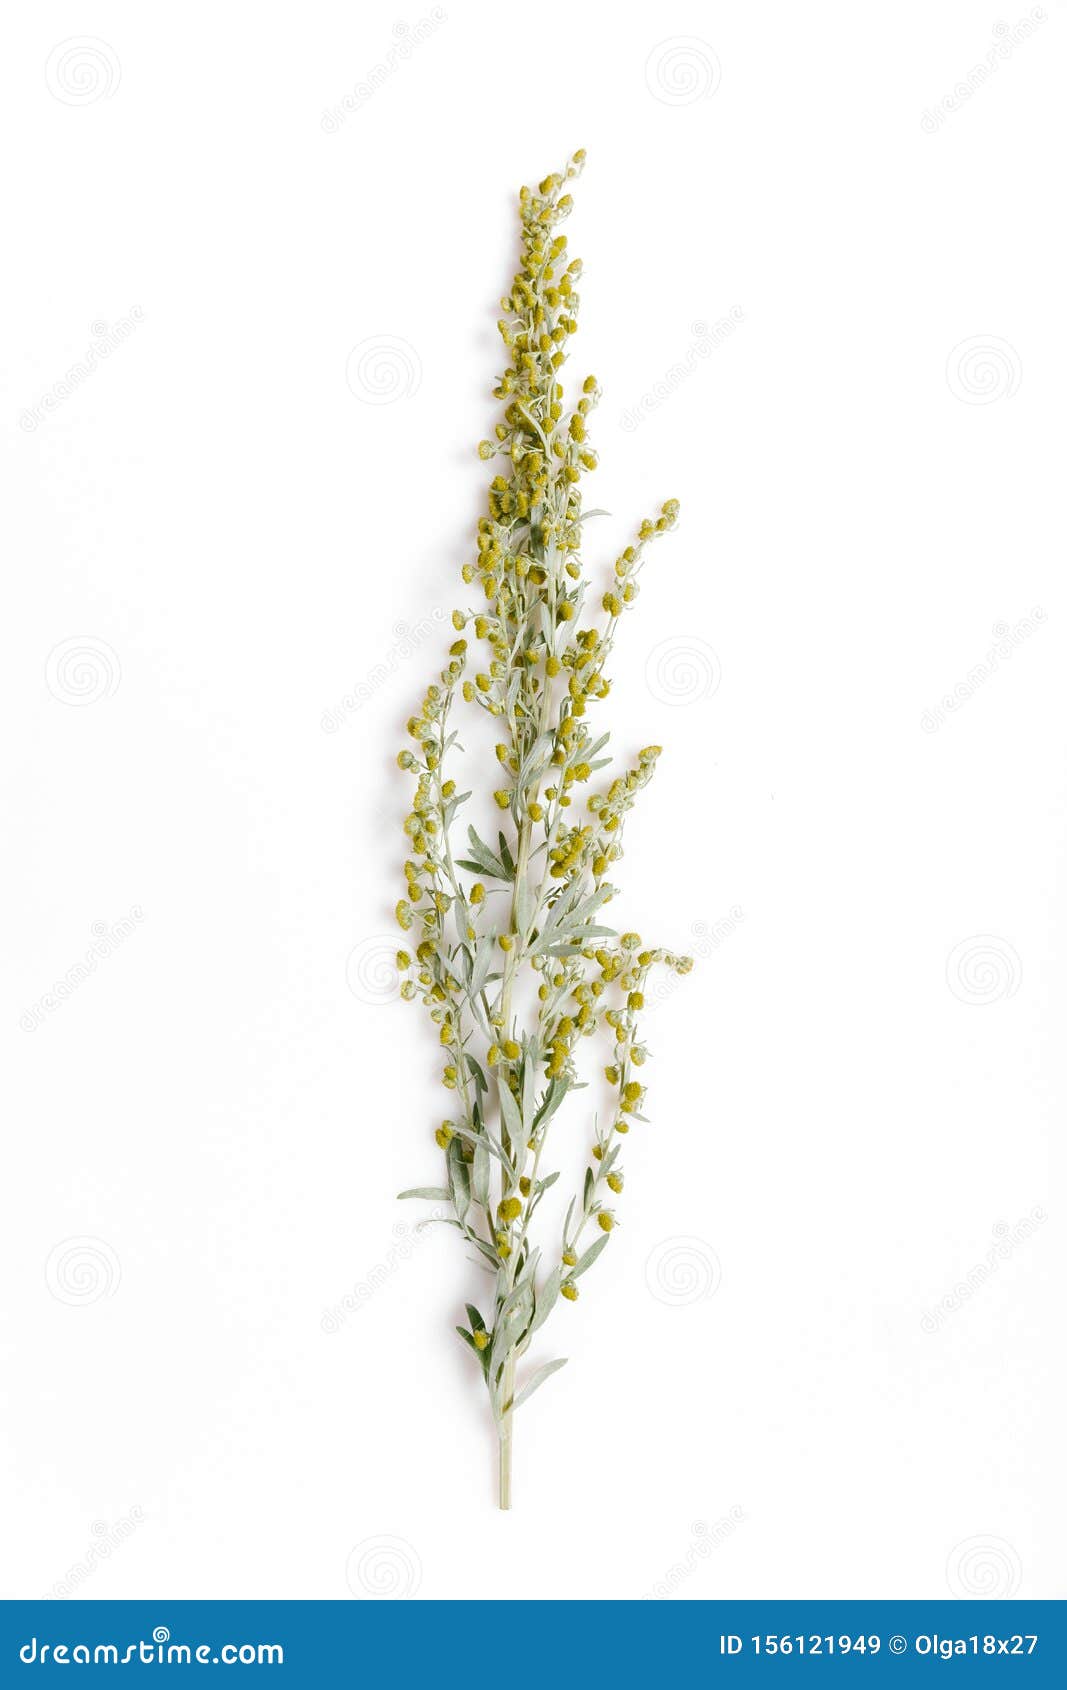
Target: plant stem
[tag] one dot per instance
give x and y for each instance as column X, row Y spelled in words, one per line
column 506, row 1424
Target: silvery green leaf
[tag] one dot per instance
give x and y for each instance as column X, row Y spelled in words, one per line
column 534, row 761
column 539, row 1378
column 587, row 1191
column 435, row 1193
column 482, row 964
column 485, row 859
column 588, row 1257
column 570, row 1211
column 459, row 1175
column 477, row 1323
column 506, row 857
column 509, row 1111
column 557, row 1091
column 479, row 1078
column 480, row 1174
column 546, row 1298
column 543, row 1184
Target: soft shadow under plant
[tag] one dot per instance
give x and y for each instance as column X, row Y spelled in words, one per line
column 485, row 915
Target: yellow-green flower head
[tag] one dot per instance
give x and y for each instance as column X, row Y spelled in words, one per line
column 605, row 1220
column 569, row 1290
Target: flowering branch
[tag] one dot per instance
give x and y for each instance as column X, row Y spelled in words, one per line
column 549, row 869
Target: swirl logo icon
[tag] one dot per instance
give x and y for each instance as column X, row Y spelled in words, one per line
column 983, row 369
column 83, row 670
column 383, row 1567
column 682, row 1271
column 82, row 1270
column 383, row 369
column 985, row 1567
column 371, row 970
column 682, row 70
column 682, row 670
column 983, row 969
column 82, row 70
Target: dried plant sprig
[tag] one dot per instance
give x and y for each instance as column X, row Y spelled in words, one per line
column 539, row 673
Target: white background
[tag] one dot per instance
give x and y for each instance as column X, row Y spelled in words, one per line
column 849, row 1111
